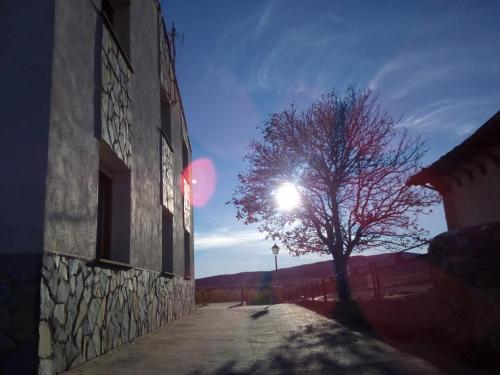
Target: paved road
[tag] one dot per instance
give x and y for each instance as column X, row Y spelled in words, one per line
column 277, row 339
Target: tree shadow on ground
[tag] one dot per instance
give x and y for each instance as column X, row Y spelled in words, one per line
column 319, row 347
column 259, row 314
column 347, row 345
column 428, row 344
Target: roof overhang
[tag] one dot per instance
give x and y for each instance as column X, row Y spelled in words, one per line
column 479, row 143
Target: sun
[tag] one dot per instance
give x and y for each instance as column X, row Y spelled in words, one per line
column 287, row 196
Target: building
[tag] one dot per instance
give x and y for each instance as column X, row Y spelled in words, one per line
column 96, row 231
column 468, row 178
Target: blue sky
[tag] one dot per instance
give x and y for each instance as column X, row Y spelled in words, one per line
column 434, row 64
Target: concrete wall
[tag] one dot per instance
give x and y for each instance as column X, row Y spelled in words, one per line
column 177, row 139
column 145, row 94
column 26, row 40
column 477, row 200
column 72, row 175
column 75, row 125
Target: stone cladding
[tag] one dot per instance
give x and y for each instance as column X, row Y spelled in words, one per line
column 88, row 309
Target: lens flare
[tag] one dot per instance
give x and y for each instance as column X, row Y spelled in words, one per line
column 203, row 180
column 287, row 196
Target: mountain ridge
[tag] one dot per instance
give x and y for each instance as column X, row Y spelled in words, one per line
column 304, row 272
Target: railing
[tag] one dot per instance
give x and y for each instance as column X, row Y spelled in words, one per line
column 394, row 281
column 402, row 279
column 241, row 293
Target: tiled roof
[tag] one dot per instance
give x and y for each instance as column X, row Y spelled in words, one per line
column 478, row 143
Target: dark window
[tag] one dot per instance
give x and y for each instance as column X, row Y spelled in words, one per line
column 166, row 120
column 187, row 254
column 185, row 158
column 104, row 216
column 167, row 244
column 107, row 9
column 113, row 207
column 187, row 211
column 117, row 13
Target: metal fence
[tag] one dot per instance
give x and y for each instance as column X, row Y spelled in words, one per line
column 393, row 281
column 404, row 278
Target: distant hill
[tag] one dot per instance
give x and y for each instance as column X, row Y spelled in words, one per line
column 299, row 274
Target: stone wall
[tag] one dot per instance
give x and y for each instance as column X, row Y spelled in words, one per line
column 167, row 175
column 116, row 129
column 87, row 310
column 466, row 266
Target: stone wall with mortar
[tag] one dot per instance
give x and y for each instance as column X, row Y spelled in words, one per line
column 116, row 128
column 87, row 310
column 466, row 264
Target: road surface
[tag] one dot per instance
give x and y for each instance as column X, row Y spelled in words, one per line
column 277, row 339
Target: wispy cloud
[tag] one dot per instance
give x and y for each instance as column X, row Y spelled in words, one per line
column 270, row 68
column 385, row 71
column 264, row 18
column 406, row 74
column 460, row 116
column 225, row 237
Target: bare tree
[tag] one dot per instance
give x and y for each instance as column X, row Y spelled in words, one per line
column 349, row 161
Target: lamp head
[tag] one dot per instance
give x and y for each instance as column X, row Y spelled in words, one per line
column 275, row 249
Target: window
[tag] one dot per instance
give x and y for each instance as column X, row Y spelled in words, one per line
column 117, row 14
column 166, row 120
column 107, row 9
column 113, row 207
column 185, row 157
column 167, row 200
column 186, row 179
column 187, row 254
column 104, row 216
column 167, row 243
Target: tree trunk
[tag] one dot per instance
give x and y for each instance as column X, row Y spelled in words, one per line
column 343, row 289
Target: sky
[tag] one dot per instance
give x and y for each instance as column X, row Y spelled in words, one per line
column 435, row 66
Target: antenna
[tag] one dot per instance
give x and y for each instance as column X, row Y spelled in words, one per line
column 174, row 35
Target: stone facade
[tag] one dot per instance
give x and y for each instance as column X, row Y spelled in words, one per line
column 167, row 175
column 187, row 205
column 466, row 265
column 116, row 129
column 88, row 309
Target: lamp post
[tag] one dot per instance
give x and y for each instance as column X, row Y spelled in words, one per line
column 275, row 250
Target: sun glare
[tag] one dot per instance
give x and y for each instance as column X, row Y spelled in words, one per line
column 287, row 196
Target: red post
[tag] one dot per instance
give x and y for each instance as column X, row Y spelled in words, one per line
column 312, row 291
column 324, row 289
column 375, row 281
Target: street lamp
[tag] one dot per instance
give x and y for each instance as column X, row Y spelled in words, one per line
column 275, row 250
